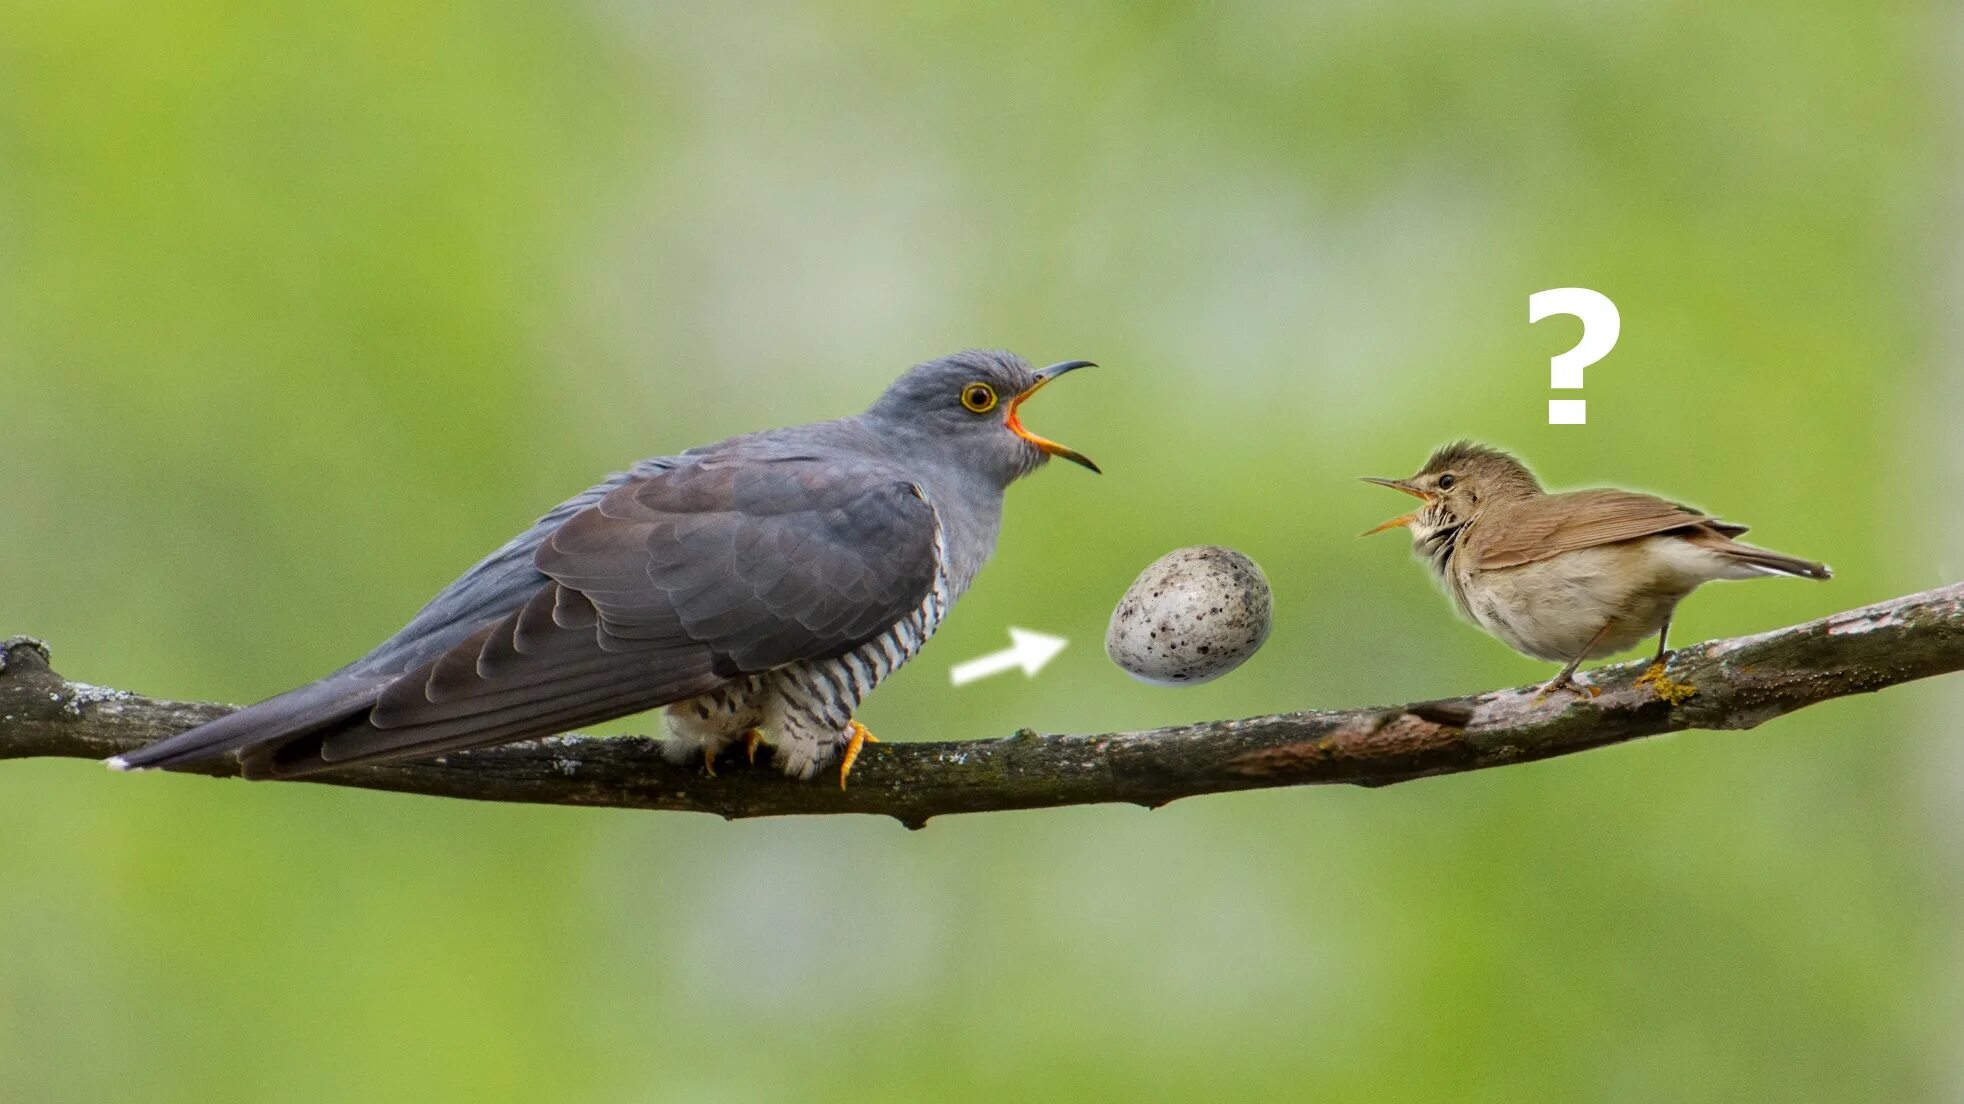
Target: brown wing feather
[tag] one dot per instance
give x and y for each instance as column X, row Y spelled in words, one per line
column 1549, row 525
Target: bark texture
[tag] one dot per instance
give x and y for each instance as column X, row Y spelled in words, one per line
column 1721, row 684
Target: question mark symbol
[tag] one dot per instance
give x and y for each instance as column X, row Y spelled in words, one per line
column 1601, row 326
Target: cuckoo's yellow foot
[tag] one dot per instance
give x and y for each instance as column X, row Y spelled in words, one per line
column 859, row 738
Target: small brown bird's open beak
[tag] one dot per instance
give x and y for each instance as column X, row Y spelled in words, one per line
column 1401, row 520
column 1044, row 444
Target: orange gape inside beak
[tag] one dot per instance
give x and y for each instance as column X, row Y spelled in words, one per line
column 1398, row 522
column 1401, row 520
column 1044, row 444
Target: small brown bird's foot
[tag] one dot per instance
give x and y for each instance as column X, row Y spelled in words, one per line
column 1663, row 685
column 1563, row 683
column 752, row 740
column 1554, row 686
column 860, row 737
column 1565, row 679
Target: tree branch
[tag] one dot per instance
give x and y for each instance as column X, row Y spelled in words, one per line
column 1733, row 684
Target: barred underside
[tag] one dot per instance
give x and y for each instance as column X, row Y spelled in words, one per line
column 805, row 709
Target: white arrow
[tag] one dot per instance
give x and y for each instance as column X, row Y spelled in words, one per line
column 1028, row 650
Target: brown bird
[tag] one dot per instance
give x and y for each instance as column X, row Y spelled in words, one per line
column 1572, row 576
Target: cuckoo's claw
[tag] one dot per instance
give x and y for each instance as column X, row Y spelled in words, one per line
column 709, row 760
column 860, row 737
column 751, row 741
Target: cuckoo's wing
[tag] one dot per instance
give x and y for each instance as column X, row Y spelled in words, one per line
column 801, row 558
column 666, row 588
column 1553, row 524
column 497, row 585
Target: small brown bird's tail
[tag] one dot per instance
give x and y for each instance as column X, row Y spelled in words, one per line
column 1772, row 563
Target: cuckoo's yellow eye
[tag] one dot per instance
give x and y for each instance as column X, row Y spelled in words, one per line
column 979, row 397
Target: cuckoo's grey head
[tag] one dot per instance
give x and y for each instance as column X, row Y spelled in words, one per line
column 965, row 408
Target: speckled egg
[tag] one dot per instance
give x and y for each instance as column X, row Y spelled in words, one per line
column 1194, row 615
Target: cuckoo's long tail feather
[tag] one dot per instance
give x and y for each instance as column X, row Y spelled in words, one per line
column 273, row 721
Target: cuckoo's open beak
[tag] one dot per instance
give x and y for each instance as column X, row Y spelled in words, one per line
column 1043, row 444
column 1401, row 520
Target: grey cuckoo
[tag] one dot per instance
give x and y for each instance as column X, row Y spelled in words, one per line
column 759, row 587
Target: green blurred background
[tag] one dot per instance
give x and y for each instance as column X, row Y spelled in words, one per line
column 302, row 308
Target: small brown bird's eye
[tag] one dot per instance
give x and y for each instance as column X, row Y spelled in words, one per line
column 1446, row 482
column 979, row 397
